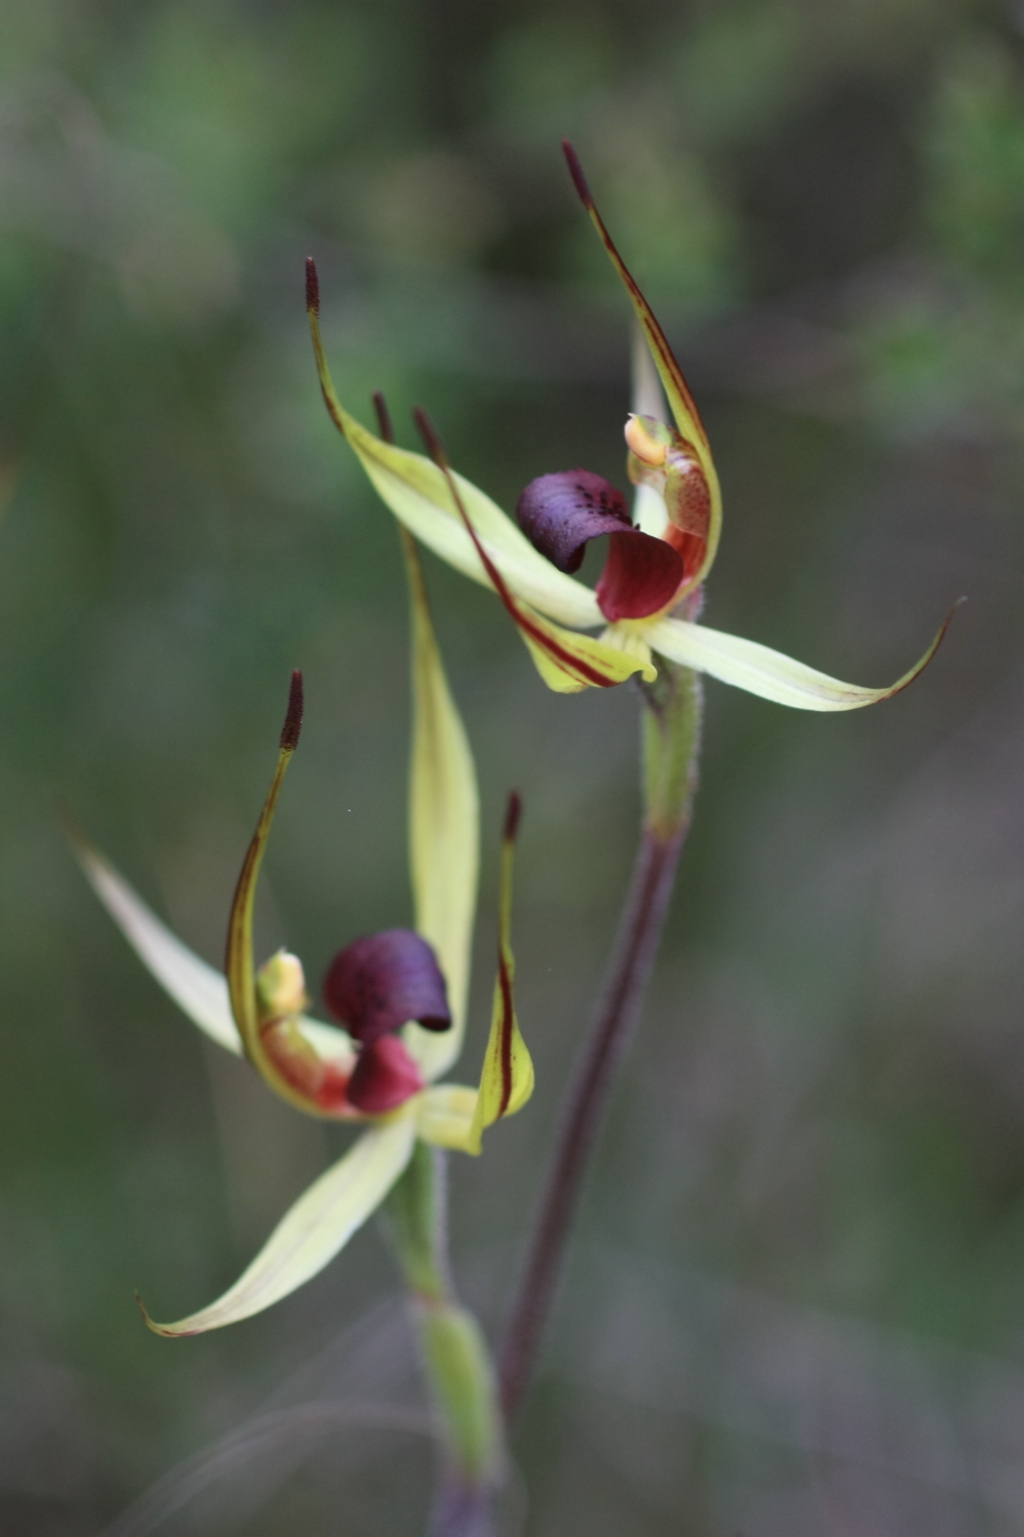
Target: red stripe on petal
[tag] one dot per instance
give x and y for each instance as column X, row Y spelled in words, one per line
column 641, row 576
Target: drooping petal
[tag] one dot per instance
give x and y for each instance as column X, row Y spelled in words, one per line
column 641, row 576
column 567, row 662
column 444, row 1115
column 199, row 990
column 385, row 1077
column 416, row 491
column 683, row 407
column 506, row 1081
column 381, row 981
column 444, row 827
column 319, row 1224
column 562, row 512
column 770, row 674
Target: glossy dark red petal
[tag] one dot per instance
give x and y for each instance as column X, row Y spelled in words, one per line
column 384, row 1077
column 559, row 513
column 380, row 982
column 641, row 575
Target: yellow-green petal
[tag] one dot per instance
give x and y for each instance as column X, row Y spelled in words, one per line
column 444, row 1115
column 444, row 827
column 506, row 1081
column 770, row 674
column 198, row 989
column 416, row 491
column 319, row 1224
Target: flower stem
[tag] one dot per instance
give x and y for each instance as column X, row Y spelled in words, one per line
column 452, row 1350
column 671, row 744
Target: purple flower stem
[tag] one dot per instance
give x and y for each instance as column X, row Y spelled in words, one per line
column 672, row 738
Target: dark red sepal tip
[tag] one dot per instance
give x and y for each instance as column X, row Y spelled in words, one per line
column 312, row 287
column 293, row 719
column 576, row 172
column 384, row 423
column 513, row 812
column 431, row 438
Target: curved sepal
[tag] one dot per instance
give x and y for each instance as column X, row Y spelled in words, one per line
column 506, row 1081
column 199, row 990
column 319, row 1224
column 444, row 827
column 238, row 960
column 682, row 404
column 417, row 492
column 770, row 674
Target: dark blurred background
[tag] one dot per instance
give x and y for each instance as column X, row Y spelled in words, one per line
column 796, row 1300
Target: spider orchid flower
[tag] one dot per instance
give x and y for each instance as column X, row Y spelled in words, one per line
column 649, row 594
column 401, row 996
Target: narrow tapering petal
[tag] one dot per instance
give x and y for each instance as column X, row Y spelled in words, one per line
column 199, row 990
column 684, row 409
column 319, row 1224
column 506, row 1081
column 444, row 826
column 417, row 493
column 770, row 674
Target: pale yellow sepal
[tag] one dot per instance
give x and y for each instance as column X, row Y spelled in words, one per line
column 319, row 1224
column 417, row 493
column 444, row 1115
column 770, row 674
column 199, row 990
column 569, row 662
column 444, row 828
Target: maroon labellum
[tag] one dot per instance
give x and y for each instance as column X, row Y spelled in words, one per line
column 378, row 983
column 384, row 1077
column 561, row 513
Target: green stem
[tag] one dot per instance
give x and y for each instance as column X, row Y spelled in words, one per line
column 454, row 1354
column 671, row 732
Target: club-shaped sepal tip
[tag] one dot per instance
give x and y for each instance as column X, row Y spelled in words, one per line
column 513, row 813
column 293, row 719
column 312, row 287
column 576, row 172
column 431, row 438
column 384, row 423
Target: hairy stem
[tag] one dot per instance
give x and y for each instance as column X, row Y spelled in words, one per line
column 671, row 744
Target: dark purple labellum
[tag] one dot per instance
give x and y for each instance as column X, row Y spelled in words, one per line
column 559, row 513
column 384, row 1077
column 641, row 575
column 380, row 982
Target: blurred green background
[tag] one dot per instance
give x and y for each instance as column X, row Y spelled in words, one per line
column 796, row 1301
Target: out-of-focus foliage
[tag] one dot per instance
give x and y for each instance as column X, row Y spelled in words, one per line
column 798, row 1293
